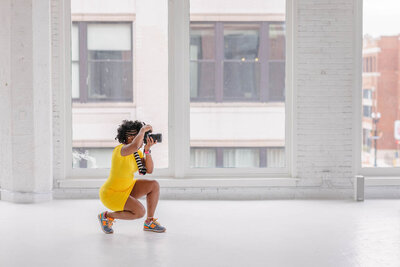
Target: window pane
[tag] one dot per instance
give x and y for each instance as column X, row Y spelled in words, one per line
column 380, row 84
column 75, row 79
column 277, row 41
column 74, row 42
column 110, row 81
column 202, row 158
column 275, row 157
column 92, row 157
column 241, row 41
column 241, row 158
column 241, row 81
column 276, row 81
column 202, row 41
column 202, row 80
column 109, row 36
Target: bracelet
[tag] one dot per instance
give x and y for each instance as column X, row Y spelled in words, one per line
column 147, row 152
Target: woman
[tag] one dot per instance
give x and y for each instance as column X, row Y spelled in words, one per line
column 121, row 191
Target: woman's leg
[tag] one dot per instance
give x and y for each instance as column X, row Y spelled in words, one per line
column 133, row 209
column 150, row 189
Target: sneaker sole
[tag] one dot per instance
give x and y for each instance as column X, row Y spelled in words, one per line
column 101, row 226
column 152, row 230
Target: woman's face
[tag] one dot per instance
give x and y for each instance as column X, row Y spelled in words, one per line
column 131, row 135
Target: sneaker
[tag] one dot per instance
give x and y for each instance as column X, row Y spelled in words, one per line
column 105, row 223
column 154, row 226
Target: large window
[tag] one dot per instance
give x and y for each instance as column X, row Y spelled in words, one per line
column 232, row 61
column 102, row 62
column 380, row 80
column 237, row 85
column 119, row 71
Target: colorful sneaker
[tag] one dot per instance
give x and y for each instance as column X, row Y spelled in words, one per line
column 105, row 223
column 154, row 226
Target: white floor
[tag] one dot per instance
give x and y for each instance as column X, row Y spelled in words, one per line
column 205, row 233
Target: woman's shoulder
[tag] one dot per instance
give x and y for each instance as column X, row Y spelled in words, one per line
column 117, row 149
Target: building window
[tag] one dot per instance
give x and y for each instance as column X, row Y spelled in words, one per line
column 237, row 62
column 91, row 157
column 367, row 94
column 367, row 111
column 237, row 157
column 102, row 68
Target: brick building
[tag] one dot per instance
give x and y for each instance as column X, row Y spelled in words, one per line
column 380, row 95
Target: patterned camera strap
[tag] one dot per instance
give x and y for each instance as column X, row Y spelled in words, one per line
column 142, row 169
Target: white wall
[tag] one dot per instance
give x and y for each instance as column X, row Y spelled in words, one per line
column 324, row 90
column 103, row 6
column 25, row 86
column 323, row 114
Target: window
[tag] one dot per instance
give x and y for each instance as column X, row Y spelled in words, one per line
column 367, row 94
column 367, row 111
column 237, row 157
column 237, row 62
column 102, row 62
column 380, row 51
column 102, row 82
column 237, row 86
column 91, row 157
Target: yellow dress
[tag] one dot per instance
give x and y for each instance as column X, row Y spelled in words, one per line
column 116, row 190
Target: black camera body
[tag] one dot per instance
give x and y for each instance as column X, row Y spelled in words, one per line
column 156, row 137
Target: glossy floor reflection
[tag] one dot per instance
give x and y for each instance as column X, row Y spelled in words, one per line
column 205, row 233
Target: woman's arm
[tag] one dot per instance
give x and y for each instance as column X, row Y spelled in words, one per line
column 136, row 143
column 148, row 161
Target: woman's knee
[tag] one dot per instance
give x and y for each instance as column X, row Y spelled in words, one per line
column 155, row 185
column 141, row 212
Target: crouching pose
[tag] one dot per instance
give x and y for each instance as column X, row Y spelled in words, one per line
column 121, row 191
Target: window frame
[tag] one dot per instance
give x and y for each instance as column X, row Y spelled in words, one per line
column 376, row 174
column 219, row 61
column 84, row 62
column 179, row 143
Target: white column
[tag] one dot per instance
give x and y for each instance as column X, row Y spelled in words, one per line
column 25, row 115
column 151, row 71
column 179, row 85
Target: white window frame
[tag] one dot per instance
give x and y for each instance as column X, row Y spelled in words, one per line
column 179, row 106
column 376, row 175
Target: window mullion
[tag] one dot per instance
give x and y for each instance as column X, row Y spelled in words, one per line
column 83, row 63
column 219, row 61
column 263, row 58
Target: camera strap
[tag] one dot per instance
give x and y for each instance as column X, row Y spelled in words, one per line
column 142, row 169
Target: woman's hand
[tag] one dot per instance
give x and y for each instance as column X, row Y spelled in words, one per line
column 150, row 143
column 146, row 128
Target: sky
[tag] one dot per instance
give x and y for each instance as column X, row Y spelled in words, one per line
column 381, row 17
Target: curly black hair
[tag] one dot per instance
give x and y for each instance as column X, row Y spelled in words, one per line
column 125, row 127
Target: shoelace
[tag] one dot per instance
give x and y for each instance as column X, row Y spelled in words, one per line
column 155, row 221
column 110, row 222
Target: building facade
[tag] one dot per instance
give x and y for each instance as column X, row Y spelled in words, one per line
column 380, row 100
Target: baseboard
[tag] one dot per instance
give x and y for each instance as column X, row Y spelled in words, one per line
column 26, row 197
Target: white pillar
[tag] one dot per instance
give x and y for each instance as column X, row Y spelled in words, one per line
column 151, row 71
column 179, row 85
column 25, row 93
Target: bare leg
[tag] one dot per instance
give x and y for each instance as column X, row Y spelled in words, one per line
column 133, row 209
column 150, row 189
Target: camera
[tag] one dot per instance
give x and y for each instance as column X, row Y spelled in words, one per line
column 156, row 137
